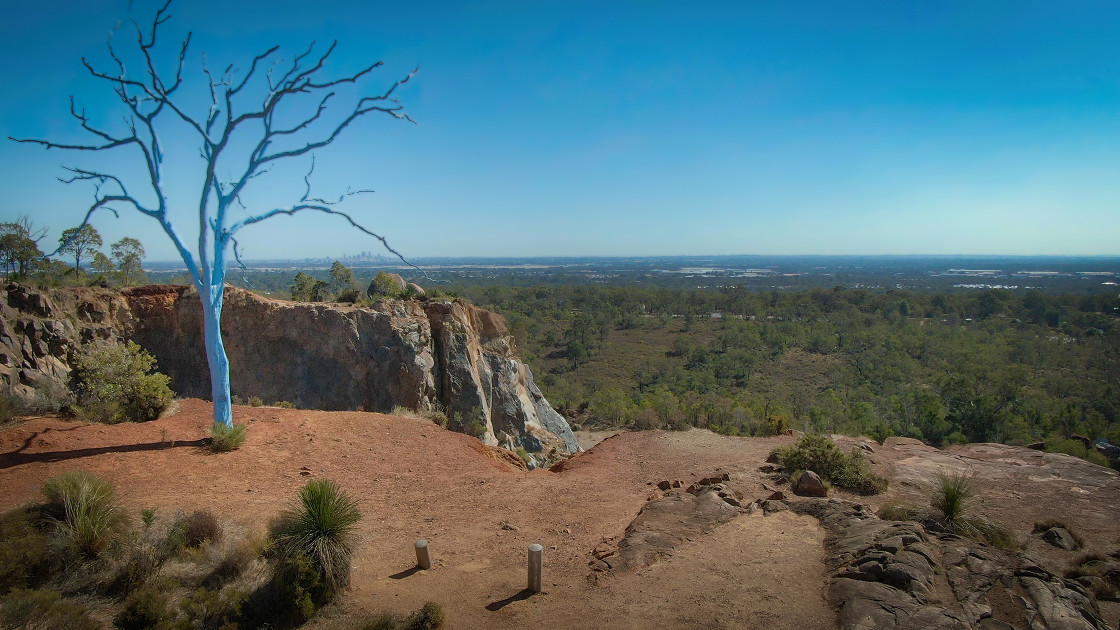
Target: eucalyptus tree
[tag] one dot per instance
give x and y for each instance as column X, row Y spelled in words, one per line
column 259, row 106
column 128, row 252
column 19, row 246
column 79, row 241
column 102, row 265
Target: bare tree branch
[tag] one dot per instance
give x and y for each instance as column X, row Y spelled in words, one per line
column 325, row 210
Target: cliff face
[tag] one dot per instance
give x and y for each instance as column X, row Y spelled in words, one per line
column 420, row 355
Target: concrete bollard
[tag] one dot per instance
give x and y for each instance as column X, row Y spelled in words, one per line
column 423, row 558
column 536, row 562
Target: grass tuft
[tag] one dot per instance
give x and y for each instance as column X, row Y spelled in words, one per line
column 952, row 502
column 429, row 617
column 224, row 438
column 24, row 608
column 23, row 549
column 320, row 527
column 88, row 513
column 953, row 496
column 1042, row 527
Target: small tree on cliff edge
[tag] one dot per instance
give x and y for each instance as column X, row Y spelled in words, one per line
column 265, row 137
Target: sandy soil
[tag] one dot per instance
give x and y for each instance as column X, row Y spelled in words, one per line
column 414, row 480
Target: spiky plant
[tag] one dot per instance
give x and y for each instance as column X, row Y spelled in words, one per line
column 87, row 509
column 224, row 439
column 320, row 527
column 953, row 496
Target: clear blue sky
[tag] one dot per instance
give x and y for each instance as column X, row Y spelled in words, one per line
column 643, row 128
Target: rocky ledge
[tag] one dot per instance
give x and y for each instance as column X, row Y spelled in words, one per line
column 422, row 355
column 886, row 574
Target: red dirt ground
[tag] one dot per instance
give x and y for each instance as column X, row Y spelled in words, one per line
column 414, row 480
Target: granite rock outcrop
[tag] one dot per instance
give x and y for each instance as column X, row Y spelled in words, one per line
column 419, row 354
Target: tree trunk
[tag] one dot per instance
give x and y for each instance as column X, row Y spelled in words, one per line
column 216, row 355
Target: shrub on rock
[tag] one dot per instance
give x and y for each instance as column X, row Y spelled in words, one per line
column 116, row 384
column 820, row 454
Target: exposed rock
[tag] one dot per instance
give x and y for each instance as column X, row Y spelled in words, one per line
column 773, row 505
column 416, row 289
column 810, row 484
column 897, row 575
column 1060, row 538
column 419, row 355
column 662, row 526
column 398, row 286
column 1111, row 451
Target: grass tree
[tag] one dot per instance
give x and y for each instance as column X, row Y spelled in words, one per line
column 255, row 106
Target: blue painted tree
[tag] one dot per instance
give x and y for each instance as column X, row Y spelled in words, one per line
column 267, row 134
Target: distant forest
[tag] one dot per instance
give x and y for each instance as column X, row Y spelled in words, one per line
column 942, row 367
column 980, row 366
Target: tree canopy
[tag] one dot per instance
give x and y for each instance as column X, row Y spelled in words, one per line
column 79, row 241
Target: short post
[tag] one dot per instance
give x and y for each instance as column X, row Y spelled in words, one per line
column 423, row 558
column 535, row 563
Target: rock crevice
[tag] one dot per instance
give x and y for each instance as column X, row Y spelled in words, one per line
column 886, row 574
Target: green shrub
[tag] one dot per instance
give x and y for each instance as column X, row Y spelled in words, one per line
column 321, row 527
column 820, row 454
column 255, row 401
column 145, row 608
column 290, row 597
column 385, row 284
column 207, row 608
column 234, row 563
column 224, row 438
column 956, row 438
column 283, row 404
column 1077, row 449
column 49, row 396
column 148, row 516
column 524, row 455
column 35, row 609
column 115, row 384
column 23, row 550
column 7, row 408
column 200, row 526
column 143, row 560
column 429, row 617
column 87, row 511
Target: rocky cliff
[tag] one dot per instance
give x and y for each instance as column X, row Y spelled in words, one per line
column 423, row 355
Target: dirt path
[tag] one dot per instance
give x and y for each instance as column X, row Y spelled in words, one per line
column 414, row 480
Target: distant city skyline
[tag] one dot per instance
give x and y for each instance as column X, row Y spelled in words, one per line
column 629, row 128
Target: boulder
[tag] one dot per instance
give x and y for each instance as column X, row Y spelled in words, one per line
column 810, row 484
column 1110, row 451
column 1060, row 538
column 386, row 284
